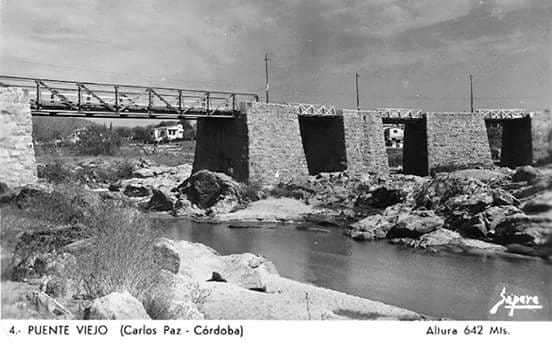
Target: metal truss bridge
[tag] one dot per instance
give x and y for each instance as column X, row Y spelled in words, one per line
column 72, row 98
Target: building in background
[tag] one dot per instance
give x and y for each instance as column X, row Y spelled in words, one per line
column 167, row 133
column 394, row 136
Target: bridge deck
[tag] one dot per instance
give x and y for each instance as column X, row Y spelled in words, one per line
column 72, row 98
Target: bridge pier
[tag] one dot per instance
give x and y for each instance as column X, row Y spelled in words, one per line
column 456, row 141
column 17, row 156
column 364, row 142
column 262, row 144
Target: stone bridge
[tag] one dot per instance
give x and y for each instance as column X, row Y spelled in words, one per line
column 273, row 142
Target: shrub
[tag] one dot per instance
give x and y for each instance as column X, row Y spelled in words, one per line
column 98, row 140
column 55, row 172
column 66, row 204
column 125, row 170
column 253, row 190
column 121, row 257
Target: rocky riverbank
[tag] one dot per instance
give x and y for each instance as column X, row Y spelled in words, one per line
column 475, row 210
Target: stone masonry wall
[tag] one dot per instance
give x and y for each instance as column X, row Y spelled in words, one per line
column 275, row 148
column 364, row 142
column 541, row 130
column 17, row 157
column 456, row 140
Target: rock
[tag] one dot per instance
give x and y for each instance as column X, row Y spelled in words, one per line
column 323, row 219
column 540, row 204
column 438, row 237
column 269, row 210
column 415, row 224
column 79, row 246
column 206, row 188
column 34, row 253
column 469, row 226
column 135, row 190
column 532, row 190
column 370, row 228
column 503, row 198
column 520, row 249
column 527, row 230
column 381, row 198
column 32, row 191
column 162, row 199
column 216, row 277
column 116, row 306
column 526, row 174
column 247, row 270
column 469, row 203
column 435, row 193
column 6, row 194
column 55, row 287
column 42, row 302
column 227, row 204
column 166, row 255
column 4, row 188
column 143, row 173
column 182, row 310
column 484, row 175
column 172, row 298
column 496, row 214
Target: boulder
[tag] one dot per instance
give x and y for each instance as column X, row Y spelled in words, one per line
column 143, row 173
column 116, row 306
column 380, row 197
column 205, row 188
column 415, row 224
column 172, row 298
column 166, row 255
column 496, row 214
column 436, row 192
column 540, row 204
column 527, row 230
column 136, row 190
column 370, row 228
column 439, row 237
column 198, row 262
column 247, row 270
column 527, row 174
column 162, row 199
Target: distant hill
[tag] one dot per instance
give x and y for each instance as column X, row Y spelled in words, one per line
column 50, row 128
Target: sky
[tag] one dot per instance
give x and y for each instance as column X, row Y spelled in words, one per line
column 409, row 53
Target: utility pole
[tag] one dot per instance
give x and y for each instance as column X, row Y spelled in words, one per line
column 266, row 59
column 471, row 94
column 357, row 93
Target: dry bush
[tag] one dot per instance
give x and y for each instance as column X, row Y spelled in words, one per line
column 121, row 257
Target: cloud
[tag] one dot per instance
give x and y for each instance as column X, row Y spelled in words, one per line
column 215, row 44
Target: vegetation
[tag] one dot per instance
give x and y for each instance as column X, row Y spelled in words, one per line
column 119, row 256
column 98, row 140
column 47, row 129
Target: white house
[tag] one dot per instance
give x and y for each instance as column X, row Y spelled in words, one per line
column 167, row 133
column 394, row 136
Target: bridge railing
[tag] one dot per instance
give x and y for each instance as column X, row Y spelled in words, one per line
column 49, row 96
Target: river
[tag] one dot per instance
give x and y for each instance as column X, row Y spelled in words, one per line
column 460, row 287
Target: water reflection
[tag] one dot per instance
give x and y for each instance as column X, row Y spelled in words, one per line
column 453, row 286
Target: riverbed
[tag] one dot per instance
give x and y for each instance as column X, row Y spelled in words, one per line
column 455, row 286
